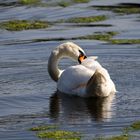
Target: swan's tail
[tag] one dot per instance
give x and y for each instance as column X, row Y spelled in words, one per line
column 100, row 84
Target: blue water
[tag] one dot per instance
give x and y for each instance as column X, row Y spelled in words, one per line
column 28, row 95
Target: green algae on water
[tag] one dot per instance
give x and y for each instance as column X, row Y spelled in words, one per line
column 103, row 36
column 122, row 8
column 60, row 135
column 125, row 41
column 135, row 125
column 121, row 137
column 29, row 2
column 80, row 1
column 86, row 19
column 18, row 25
column 43, row 128
column 64, row 4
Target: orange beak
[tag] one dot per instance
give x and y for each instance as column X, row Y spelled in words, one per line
column 81, row 58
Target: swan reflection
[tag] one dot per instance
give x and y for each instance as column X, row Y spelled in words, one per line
column 73, row 108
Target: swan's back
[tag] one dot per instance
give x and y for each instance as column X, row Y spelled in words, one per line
column 74, row 79
column 91, row 63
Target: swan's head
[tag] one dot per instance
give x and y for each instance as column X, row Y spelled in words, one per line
column 70, row 49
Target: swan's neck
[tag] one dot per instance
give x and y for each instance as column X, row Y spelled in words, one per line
column 53, row 69
column 54, row 59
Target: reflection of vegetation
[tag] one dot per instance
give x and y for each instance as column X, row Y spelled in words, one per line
column 59, row 135
column 86, row 19
column 125, row 41
column 18, row 25
column 123, row 8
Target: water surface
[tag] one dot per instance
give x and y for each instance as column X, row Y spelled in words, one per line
column 28, row 96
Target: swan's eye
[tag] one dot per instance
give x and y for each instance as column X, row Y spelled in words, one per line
column 81, row 53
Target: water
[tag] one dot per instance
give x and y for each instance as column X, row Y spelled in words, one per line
column 28, row 95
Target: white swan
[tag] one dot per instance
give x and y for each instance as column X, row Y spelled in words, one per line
column 86, row 79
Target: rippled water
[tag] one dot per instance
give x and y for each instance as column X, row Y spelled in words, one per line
column 28, row 96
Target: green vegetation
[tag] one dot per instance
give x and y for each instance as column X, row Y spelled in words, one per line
column 121, row 8
column 64, row 4
column 50, row 132
column 71, row 2
column 135, row 125
column 86, row 19
column 103, row 36
column 80, row 1
column 18, row 25
column 60, row 135
column 42, row 128
column 125, row 41
column 127, row 10
column 121, row 137
column 29, row 2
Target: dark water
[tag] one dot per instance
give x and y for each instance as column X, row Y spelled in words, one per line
column 27, row 94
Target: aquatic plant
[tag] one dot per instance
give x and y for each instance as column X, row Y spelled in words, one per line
column 64, row 4
column 125, row 41
column 121, row 137
column 135, row 125
column 29, row 2
column 60, row 135
column 71, row 2
column 123, row 8
column 127, row 10
column 53, row 132
column 42, row 127
column 103, row 36
column 80, row 1
column 18, row 25
column 86, row 19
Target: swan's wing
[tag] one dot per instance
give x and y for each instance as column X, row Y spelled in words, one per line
column 74, row 79
column 100, row 83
